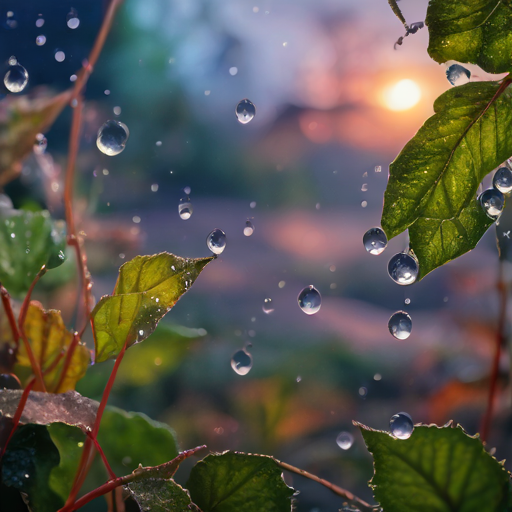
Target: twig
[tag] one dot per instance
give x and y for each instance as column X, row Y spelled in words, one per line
column 351, row 498
column 398, row 12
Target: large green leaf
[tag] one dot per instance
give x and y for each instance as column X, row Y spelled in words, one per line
column 146, row 289
column 433, row 181
column 436, row 470
column 476, row 31
column 232, row 481
column 28, row 240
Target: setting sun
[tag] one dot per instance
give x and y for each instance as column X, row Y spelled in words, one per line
column 402, row 95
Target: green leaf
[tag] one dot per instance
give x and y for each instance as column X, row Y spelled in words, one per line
column 436, row 470
column 156, row 495
column 27, row 464
column 28, row 240
column 146, row 289
column 232, row 481
column 476, row 31
column 434, row 180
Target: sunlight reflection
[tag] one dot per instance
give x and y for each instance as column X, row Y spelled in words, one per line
column 402, row 95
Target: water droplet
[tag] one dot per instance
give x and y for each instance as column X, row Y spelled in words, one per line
column 245, row 111
column 364, row 187
column 39, row 22
column 268, row 307
column 41, row 144
column 345, row 440
column 11, row 21
column 185, row 209
column 60, row 56
column 216, row 241
column 401, row 425
column 502, row 180
column 493, row 202
column 407, row 301
column 364, row 204
column 241, row 362
column 72, row 19
column 16, row 78
column 403, row 268
column 233, row 71
column 458, row 75
column 112, row 137
column 400, row 325
column 310, row 300
column 378, row 168
column 40, row 40
column 249, row 228
column 116, row 110
column 154, row 187
column 281, row 284
column 375, row 241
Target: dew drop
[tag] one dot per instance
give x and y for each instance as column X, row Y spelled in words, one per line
column 245, row 111
column 216, row 241
column 502, row 180
column 185, row 209
column 403, row 268
column 16, row 78
column 249, row 228
column 241, row 362
column 112, row 137
column 458, row 75
column 401, row 425
column 40, row 40
column 41, row 144
column 493, row 202
column 72, row 19
column 310, row 300
column 268, row 307
column 400, row 325
column 345, row 440
column 375, row 241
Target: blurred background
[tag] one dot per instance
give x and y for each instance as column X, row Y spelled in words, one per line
column 335, row 102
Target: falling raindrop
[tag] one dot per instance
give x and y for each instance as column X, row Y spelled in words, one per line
column 401, row 425
column 185, row 209
column 375, row 241
column 458, row 75
column 400, row 325
column 241, row 362
column 403, row 268
column 345, row 440
column 249, row 228
column 502, row 180
column 268, row 307
column 310, row 300
column 72, row 19
column 216, row 241
column 112, row 137
column 40, row 40
column 41, row 144
column 16, row 78
column 245, row 111
column 493, row 202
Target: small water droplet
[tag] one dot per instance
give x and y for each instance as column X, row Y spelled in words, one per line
column 281, row 284
column 268, row 307
column 407, row 301
column 16, row 78
column 378, row 168
column 403, row 268
column 364, row 204
column 345, row 440
column 364, row 187
column 72, row 19
column 458, row 75
column 401, row 425
column 60, row 56
column 233, row 71
column 249, row 228
column 39, row 22
column 502, row 180
column 40, row 40
column 13, row 235
column 216, row 241
column 375, row 241
column 493, row 202
column 252, row 204
column 310, row 300
column 298, row 379
column 241, row 362
column 185, row 209
column 154, row 187
column 245, row 111
column 400, row 325
column 41, row 144
column 112, row 137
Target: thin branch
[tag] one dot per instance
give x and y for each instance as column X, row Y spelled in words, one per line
column 6, row 301
column 347, row 495
column 398, row 12
column 110, row 472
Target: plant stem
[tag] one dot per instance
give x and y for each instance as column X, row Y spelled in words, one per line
column 111, row 473
column 69, row 355
column 351, row 498
column 6, row 301
column 500, row 342
column 398, row 12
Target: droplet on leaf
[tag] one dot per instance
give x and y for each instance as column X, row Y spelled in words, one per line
column 400, row 325
column 401, row 425
column 502, row 180
column 310, row 300
column 458, row 75
column 112, row 137
column 493, row 202
column 245, row 111
column 216, row 241
column 403, row 268
column 375, row 241
column 241, row 362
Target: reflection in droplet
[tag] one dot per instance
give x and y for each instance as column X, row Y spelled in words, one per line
column 268, row 307
column 502, row 180
column 16, row 78
column 41, row 144
column 375, row 241
column 458, row 75
column 216, row 241
column 400, row 325
column 401, row 425
column 241, row 362
column 249, row 228
column 403, row 268
column 345, row 440
column 493, row 202
column 245, row 111
column 185, row 209
column 112, row 137
column 310, row 300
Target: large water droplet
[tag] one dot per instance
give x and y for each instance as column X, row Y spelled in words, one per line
column 400, row 325
column 245, row 111
column 493, row 202
column 502, row 180
column 241, row 362
column 72, row 19
column 16, row 78
column 268, row 307
column 41, row 144
column 401, row 425
column 185, row 208
column 458, row 75
column 310, row 300
column 249, row 228
column 112, row 137
column 216, row 241
column 375, row 241
column 403, row 268
column 345, row 440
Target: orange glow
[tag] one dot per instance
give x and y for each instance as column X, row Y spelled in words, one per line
column 402, row 95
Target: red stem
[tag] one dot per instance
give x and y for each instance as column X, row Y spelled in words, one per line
column 111, row 473
column 67, row 362
column 6, row 301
